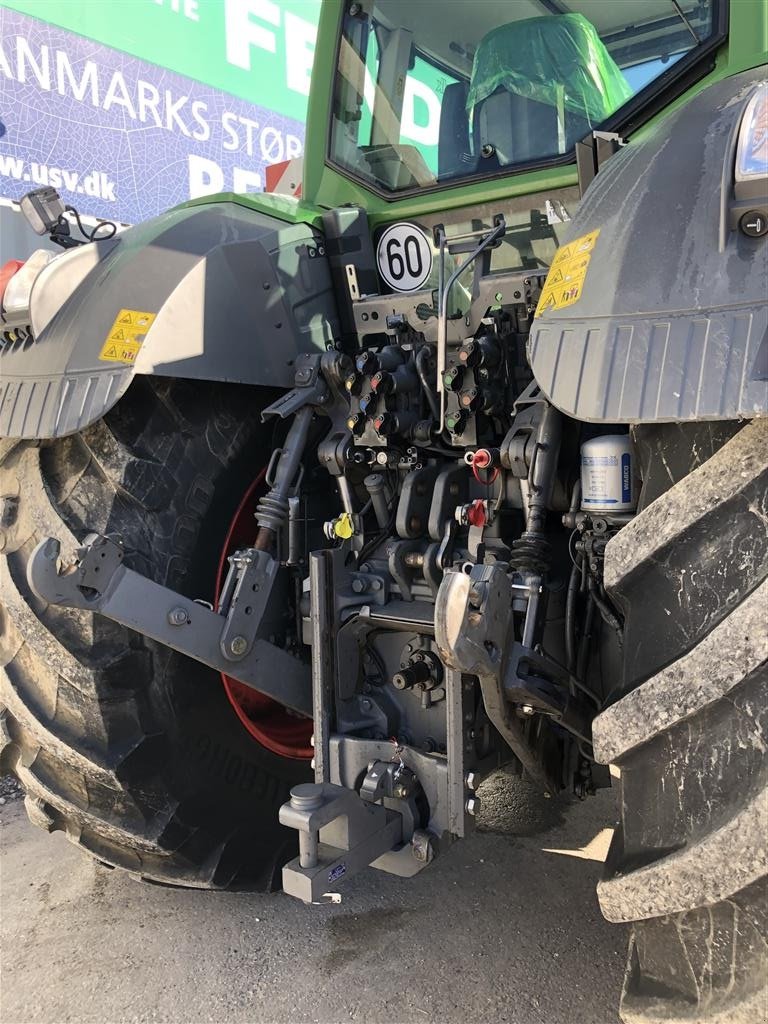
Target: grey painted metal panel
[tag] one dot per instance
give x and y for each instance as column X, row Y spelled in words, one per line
column 238, row 295
column 673, row 320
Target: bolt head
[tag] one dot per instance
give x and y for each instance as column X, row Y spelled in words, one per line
column 472, row 806
column 177, row 616
column 472, row 780
column 238, row 645
column 527, row 709
column 422, row 847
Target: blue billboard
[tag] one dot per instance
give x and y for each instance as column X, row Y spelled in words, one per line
column 123, row 138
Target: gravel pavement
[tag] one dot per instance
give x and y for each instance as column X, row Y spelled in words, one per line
column 497, row 930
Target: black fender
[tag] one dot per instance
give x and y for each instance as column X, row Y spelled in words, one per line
column 672, row 317
column 215, row 291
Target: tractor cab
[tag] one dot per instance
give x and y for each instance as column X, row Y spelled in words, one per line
column 428, row 95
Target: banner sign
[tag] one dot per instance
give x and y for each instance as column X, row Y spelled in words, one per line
column 87, row 106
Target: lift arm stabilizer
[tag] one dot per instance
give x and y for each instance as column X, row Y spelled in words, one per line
column 225, row 640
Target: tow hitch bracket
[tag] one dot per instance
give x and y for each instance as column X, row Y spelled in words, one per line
column 226, row 640
column 339, row 835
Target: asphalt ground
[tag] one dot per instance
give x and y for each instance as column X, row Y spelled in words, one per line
column 504, row 927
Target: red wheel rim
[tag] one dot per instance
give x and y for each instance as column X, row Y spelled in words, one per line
column 265, row 719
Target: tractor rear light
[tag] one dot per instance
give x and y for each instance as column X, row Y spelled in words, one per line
column 18, row 286
column 6, row 273
column 752, row 150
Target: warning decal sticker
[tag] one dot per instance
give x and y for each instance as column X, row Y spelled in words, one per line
column 565, row 279
column 125, row 336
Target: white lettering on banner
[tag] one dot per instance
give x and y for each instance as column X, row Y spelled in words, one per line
column 272, row 148
column 427, row 134
column 410, row 129
column 203, row 131
column 188, row 8
column 242, row 33
column 117, row 85
column 172, row 108
column 300, row 39
column 94, row 184
column 149, row 99
column 206, row 178
column 5, row 67
column 40, row 69
column 230, row 122
column 89, row 79
column 245, row 181
column 143, row 102
column 44, row 68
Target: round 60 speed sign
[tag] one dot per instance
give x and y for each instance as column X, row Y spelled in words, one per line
column 404, row 257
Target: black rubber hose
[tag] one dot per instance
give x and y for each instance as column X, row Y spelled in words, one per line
column 376, row 487
column 429, row 391
column 607, row 613
column 574, row 584
column 586, row 639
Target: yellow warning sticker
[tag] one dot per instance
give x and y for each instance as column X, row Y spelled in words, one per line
column 565, row 279
column 126, row 335
column 120, row 351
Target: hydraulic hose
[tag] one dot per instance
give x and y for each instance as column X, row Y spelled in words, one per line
column 574, row 584
column 422, row 356
column 272, row 510
column 376, row 487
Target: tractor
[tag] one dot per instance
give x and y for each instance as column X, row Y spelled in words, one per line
column 318, row 510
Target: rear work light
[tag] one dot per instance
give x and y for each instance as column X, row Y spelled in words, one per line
column 6, row 273
column 17, row 287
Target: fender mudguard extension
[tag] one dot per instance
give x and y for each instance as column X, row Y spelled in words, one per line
column 672, row 321
column 218, row 291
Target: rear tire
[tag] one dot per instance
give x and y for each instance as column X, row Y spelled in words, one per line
column 688, row 865
column 133, row 750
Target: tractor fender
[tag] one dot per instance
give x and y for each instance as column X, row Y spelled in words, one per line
column 215, row 291
column 670, row 318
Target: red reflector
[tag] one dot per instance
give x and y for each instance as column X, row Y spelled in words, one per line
column 6, row 273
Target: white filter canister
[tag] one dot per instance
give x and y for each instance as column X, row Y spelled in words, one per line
column 608, row 474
